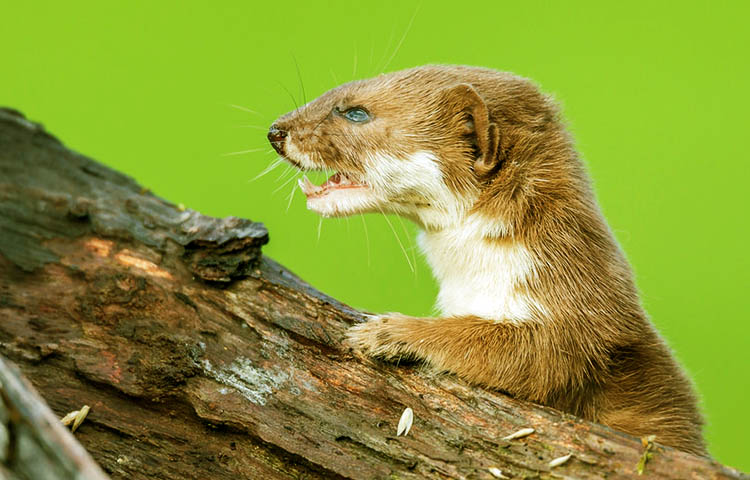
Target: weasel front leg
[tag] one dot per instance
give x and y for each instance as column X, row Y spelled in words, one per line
column 391, row 336
column 451, row 343
column 523, row 359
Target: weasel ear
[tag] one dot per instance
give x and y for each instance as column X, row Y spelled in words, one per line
column 465, row 100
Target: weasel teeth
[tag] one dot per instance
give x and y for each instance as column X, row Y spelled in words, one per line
column 307, row 187
column 336, row 180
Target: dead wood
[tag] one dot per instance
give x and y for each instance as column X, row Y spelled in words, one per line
column 33, row 442
column 200, row 358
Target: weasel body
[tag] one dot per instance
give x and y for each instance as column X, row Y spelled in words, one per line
column 536, row 297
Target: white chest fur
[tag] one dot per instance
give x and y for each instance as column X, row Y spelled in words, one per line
column 479, row 277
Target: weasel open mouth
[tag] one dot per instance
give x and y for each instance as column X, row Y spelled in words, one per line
column 337, row 181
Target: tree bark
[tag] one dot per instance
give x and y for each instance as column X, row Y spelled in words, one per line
column 201, row 358
column 33, row 442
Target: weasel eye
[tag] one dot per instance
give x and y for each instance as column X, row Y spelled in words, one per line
column 356, row 115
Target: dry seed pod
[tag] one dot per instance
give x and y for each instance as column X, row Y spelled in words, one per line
column 68, row 419
column 404, row 424
column 80, row 417
column 524, row 432
column 560, row 460
column 496, row 472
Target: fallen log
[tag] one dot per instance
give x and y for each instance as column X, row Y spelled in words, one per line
column 201, row 358
column 35, row 445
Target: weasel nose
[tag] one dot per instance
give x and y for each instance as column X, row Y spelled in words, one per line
column 277, row 136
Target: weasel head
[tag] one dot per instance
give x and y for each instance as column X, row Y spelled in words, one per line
column 424, row 143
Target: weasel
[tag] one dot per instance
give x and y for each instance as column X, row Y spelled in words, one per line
column 537, row 299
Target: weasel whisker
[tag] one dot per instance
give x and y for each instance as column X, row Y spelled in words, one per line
column 403, row 37
column 333, row 75
column 290, row 95
column 412, row 248
column 242, row 152
column 398, row 239
column 354, row 69
column 256, row 127
column 286, row 182
column 268, row 169
column 301, row 83
column 245, row 109
column 367, row 238
column 291, row 196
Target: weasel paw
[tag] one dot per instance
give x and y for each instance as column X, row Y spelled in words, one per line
column 378, row 337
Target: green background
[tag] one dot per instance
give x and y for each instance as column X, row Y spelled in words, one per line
column 655, row 94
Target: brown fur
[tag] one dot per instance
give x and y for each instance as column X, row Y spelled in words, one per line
column 592, row 350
